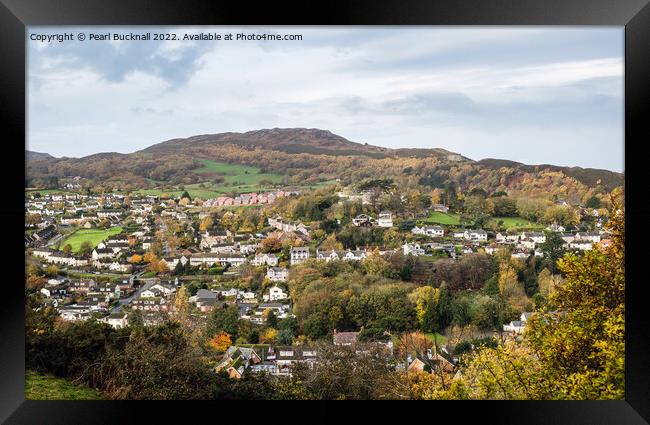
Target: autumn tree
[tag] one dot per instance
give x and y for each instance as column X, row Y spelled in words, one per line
column 582, row 344
column 220, row 342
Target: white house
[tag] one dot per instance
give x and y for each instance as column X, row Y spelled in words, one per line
column 431, row 231
column 362, row 220
column 299, row 254
column 412, row 249
column 265, row 259
column 385, row 219
column 277, row 274
column 537, row 237
column 517, row 326
column 275, row 293
column 475, row 235
column 581, row 244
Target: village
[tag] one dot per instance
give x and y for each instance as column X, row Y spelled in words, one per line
column 113, row 279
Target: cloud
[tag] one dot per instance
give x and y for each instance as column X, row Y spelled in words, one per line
column 529, row 94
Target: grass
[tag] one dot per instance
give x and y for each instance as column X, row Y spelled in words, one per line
column 45, row 191
column 95, row 236
column 440, row 339
column 512, row 223
column 241, row 174
column 44, row 387
column 437, row 217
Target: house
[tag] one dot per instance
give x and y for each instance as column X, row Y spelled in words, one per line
column 286, row 356
column 60, row 257
column 507, row 237
column 299, row 254
column 213, row 237
column 459, row 234
column 237, row 360
column 275, row 293
column 116, row 320
column 567, row 237
column 412, row 249
column 431, row 231
column 517, row 326
column 45, row 233
column 42, row 252
column 205, row 300
column 556, row 228
column 475, row 235
column 385, row 219
column 208, row 259
column 537, row 237
column 589, row 236
column 164, row 289
column 277, row 274
column 362, row 220
column 581, row 244
column 440, row 208
column 527, row 243
column 345, row 338
column 429, row 363
column 265, row 259
column 100, row 253
column 172, row 262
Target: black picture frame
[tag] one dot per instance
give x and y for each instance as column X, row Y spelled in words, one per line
column 16, row 15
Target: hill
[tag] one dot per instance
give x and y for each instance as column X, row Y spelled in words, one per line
column 292, row 141
column 299, row 156
column 36, row 156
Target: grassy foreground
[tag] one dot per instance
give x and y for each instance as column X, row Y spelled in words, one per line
column 44, row 387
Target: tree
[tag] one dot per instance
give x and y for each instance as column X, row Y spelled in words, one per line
column 182, row 305
column 593, row 203
column 271, row 319
column 224, row 319
column 86, row 248
column 269, row 336
column 582, row 349
column 553, row 249
column 285, row 337
column 67, row 248
column 220, row 342
column 206, row 224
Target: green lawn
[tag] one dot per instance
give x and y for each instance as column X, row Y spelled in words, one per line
column 517, row 223
column 242, row 174
column 43, row 387
column 95, row 236
column 30, row 191
column 437, row 217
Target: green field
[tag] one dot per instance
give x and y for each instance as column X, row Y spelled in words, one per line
column 95, row 236
column 235, row 173
column 516, row 223
column 437, row 217
column 43, row 387
column 29, row 191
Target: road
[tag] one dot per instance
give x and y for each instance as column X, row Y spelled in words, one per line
column 148, row 283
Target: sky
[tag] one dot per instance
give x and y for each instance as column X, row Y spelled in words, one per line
column 530, row 94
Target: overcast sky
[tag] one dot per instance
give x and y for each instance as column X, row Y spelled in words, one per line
column 529, row 94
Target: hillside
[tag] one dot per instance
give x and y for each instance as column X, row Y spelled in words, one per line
column 36, row 156
column 308, row 156
column 292, row 141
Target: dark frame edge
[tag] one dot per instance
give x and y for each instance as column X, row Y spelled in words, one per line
column 637, row 118
column 12, row 76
